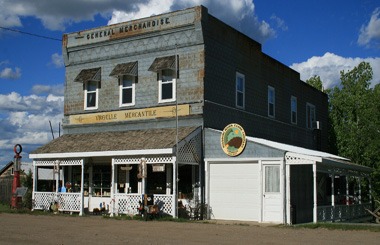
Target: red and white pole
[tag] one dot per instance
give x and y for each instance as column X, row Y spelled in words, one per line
column 16, row 176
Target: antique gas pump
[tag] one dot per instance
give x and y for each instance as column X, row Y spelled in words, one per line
column 16, row 176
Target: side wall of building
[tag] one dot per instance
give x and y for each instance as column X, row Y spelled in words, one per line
column 229, row 52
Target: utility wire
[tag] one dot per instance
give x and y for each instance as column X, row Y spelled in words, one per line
column 31, row 34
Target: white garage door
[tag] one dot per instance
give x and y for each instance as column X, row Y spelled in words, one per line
column 235, row 191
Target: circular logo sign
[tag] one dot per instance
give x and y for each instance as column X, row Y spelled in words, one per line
column 233, row 139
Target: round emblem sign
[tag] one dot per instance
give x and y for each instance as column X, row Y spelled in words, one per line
column 233, row 139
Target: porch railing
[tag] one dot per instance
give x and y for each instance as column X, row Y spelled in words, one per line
column 128, row 203
column 342, row 212
column 68, row 202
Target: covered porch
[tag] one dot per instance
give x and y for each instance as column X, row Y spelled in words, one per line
column 110, row 172
column 323, row 187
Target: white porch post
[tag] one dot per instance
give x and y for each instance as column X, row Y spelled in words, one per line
column 315, row 194
column 175, row 188
column 35, row 174
column 82, row 189
column 112, row 185
column 287, row 179
column 169, row 181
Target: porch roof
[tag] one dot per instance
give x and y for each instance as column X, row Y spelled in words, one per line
column 149, row 141
column 324, row 159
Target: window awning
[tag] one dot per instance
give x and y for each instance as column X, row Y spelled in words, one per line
column 163, row 63
column 92, row 74
column 125, row 69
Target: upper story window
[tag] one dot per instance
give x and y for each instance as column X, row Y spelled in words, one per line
column 91, row 79
column 271, row 101
column 166, row 86
column 310, row 115
column 127, row 74
column 91, row 95
column 167, row 73
column 127, row 90
column 240, row 93
column 293, row 109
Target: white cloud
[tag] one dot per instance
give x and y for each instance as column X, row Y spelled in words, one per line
column 238, row 13
column 25, row 120
column 8, row 73
column 329, row 65
column 48, row 89
column 370, row 33
column 57, row 60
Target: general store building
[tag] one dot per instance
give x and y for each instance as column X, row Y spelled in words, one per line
column 152, row 97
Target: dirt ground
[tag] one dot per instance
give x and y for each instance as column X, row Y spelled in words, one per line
column 59, row 229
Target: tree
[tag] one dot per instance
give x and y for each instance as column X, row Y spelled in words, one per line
column 315, row 81
column 27, row 181
column 355, row 116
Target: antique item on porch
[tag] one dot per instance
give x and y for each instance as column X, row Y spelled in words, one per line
column 142, row 169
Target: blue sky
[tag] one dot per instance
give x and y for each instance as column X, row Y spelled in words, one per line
column 312, row 37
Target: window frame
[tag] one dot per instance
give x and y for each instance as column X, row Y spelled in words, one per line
column 173, row 81
column 271, row 89
column 122, row 88
column 238, row 92
column 293, row 99
column 309, row 119
column 86, row 92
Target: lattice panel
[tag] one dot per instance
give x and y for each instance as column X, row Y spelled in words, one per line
column 65, row 162
column 69, row 202
column 127, row 203
column 290, row 159
column 149, row 160
column 43, row 200
column 165, row 203
column 192, row 150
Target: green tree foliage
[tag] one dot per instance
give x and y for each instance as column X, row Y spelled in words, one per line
column 27, row 181
column 315, row 81
column 355, row 118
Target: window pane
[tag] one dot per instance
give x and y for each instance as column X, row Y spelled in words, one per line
column 91, row 99
column 240, row 84
column 127, row 96
column 272, row 179
column 240, row 98
column 167, row 91
column 271, row 109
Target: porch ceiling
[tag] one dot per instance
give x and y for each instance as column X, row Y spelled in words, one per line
column 115, row 141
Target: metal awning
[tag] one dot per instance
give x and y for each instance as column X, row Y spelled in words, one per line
column 163, row 63
column 93, row 74
column 125, row 69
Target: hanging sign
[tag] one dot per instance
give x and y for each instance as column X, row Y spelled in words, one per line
column 158, row 167
column 233, row 139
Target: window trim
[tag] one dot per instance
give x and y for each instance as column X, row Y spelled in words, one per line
column 309, row 124
column 270, row 88
column 96, row 95
column 242, row 76
column 174, row 87
column 293, row 98
column 121, row 88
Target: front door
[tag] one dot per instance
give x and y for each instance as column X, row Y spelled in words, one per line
column 272, row 194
